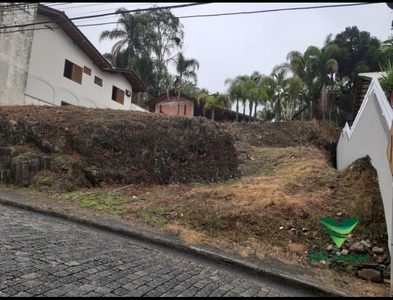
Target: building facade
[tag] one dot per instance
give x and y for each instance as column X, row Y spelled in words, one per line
column 59, row 65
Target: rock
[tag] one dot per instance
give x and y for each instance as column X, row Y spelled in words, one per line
column 370, row 275
column 358, row 248
column 94, row 175
column 330, row 248
column 379, row 258
column 349, row 238
column 378, row 250
column 344, row 252
column 381, row 267
column 386, row 274
column 366, row 244
column 339, row 214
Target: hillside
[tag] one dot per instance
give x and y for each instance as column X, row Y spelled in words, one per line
column 254, row 188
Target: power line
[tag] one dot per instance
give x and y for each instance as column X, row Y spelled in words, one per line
column 278, row 9
column 219, row 14
column 79, row 14
column 57, row 4
column 72, row 7
column 51, row 4
column 103, row 15
column 247, row 12
column 129, row 7
column 11, row 7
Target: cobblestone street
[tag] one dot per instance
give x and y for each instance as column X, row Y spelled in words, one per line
column 50, row 257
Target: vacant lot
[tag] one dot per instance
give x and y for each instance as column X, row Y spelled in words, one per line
column 253, row 188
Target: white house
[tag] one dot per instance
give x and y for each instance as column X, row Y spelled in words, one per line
column 53, row 63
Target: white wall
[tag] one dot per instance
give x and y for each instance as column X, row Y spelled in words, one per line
column 15, row 48
column 46, row 81
column 369, row 136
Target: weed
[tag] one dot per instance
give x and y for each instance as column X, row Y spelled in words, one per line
column 108, row 203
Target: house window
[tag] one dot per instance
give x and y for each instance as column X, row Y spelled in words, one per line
column 87, row 70
column 118, row 95
column 98, row 80
column 73, row 71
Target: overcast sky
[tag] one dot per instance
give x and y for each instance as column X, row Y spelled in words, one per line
column 227, row 46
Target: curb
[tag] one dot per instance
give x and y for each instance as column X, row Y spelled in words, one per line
column 198, row 252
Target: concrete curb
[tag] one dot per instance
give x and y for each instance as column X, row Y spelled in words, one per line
column 146, row 236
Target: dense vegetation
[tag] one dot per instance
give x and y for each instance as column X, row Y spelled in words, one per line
column 319, row 83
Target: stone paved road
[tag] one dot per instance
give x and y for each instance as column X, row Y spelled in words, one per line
column 50, row 257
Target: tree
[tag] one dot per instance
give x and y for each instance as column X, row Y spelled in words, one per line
column 356, row 47
column 146, row 43
column 359, row 52
column 258, row 94
column 279, row 81
column 304, row 65
column 294, row 91
column 211, row 101
column 166, row 39
column 186, row 69
column 387, row 51
column 326, row 69
column 248, row 86
column 234, row 92
column 132, row 34
column 191, row 89
column 386, row 81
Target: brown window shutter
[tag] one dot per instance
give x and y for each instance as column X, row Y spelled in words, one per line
column 120, row 96
column 87, row 70
column 77, row 72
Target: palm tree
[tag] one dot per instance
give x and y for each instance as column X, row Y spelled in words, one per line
column 294, row 91
column 304, row 66
column 280, row 81
column 234, row 92
column 186, row 69
column 386, row 79
column 211, row 101
column 238, row 90
column 259, row 94
column 327, row 67
column 249, row 85
column 132, row 34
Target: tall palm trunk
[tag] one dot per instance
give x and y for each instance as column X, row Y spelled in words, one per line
column 237, row 110
column 255, row 112
column 250, row 110
column 324, row 100
column 301, row 108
